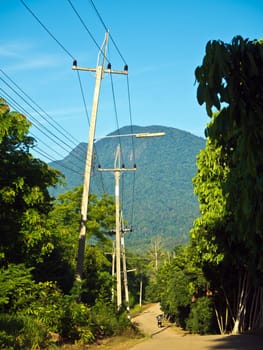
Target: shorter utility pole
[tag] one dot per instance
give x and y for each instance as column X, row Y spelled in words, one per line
column 112, row 266
column 117, row 170
column 140, row 298
column 113, row 270
column 125, row 277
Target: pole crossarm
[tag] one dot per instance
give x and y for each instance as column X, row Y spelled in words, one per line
column 109, row 71
column 137, row 135
column 114, row 170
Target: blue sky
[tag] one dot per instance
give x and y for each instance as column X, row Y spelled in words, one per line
column 161, row 41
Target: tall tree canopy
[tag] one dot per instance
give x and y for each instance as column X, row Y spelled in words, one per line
column 24, row 196
column 230, row 81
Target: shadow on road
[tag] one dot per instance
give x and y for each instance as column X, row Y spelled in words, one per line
column 239, row 342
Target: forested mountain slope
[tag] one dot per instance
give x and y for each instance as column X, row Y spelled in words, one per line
column 160, row 202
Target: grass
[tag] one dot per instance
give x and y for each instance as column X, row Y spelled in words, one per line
column 123, row 342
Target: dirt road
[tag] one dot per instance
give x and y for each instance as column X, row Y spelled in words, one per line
column 168, row 339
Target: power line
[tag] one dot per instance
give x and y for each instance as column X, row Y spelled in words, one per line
column 133, row 150
column 105, row 27
column 118, row 128
column 46, row 155
column 61, row 45
column 47, row 30
column 71, row 56
column 98, row 46
column 15, row 104
column 37, row 149
column 84, row 25
column 71, row 139
column 38, row 122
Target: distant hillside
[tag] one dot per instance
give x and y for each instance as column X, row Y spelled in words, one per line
column 164, row 204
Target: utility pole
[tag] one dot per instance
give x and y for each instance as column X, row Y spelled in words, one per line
column 125, row 277
column 117, row 171
column 113, row 269
column 112, row 266
column 140, row 298
column 99, row 70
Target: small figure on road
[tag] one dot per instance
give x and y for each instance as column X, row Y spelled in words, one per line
column 159, row 320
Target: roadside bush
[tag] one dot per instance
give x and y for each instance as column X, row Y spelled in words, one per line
column 201, row 318
column 106, row 321
column 75, row 323
column 22, row 333
column 45, row 304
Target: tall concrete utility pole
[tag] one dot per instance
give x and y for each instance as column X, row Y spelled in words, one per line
column 117, row 171
column 100, row 71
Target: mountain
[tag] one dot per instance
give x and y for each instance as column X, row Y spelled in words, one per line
column 158, row 198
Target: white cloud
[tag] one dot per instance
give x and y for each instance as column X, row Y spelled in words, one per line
column 17, row 56
column 14, row 49
column 34, row 63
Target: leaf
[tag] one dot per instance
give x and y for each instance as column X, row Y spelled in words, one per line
column 200, row 93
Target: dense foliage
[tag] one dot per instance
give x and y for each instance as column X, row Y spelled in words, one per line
column 220, row 275
column 39, row 235
column 229, row 233
column 24, row 198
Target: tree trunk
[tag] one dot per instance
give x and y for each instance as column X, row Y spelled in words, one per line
column 242, row 297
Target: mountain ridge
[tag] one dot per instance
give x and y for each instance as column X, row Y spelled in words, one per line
column 162, row 202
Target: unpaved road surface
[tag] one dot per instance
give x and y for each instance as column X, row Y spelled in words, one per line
column 170, row 339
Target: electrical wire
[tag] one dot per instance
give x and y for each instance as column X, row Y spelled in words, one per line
column 68, row 149
column 47, row 30
column 58, row 127
column 115, row 109
column 133, row 150
column 129, row 101
column 46, row 155
column 15, row 104
column 62, row 46
column 72, row 57
column 42, row 142
column 118, row 130
column 84, row 25
column 105, row 27
column 116, row 115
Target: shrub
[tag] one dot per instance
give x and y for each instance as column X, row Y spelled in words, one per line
column 22, row 333
column 201, row 317
column 106, row 321
column 75, row 323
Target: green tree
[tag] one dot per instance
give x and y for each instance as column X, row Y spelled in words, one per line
column 230, row 80
column 38, row 247
column 209, row 230
column 181, row 283
column 64, row 221
column 24, row 196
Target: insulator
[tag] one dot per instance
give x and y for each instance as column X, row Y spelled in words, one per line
column 123, row 166
column 109, row 66
column 134, row 165
column 99, row 166
column 126, row 68
column 75, row 63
